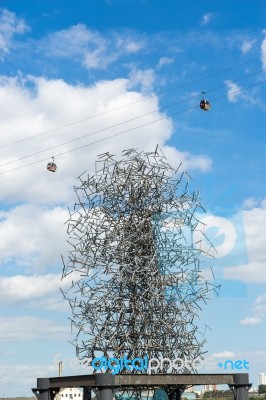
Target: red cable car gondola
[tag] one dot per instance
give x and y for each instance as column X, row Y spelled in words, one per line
column 51, row 166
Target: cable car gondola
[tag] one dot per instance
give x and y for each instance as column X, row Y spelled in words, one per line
column 205, row 105
column 51, row 166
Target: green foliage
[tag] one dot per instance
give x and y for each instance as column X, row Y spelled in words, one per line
column 262, row 389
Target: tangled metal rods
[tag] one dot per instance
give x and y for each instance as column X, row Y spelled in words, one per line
column 138, row 283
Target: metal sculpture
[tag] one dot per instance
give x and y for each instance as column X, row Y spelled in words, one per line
column 138, row 282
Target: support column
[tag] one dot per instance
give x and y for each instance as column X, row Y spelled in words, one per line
column 105, row 383
column 86, row 393
column 240, row 386
column 105, row 394
column 175, row 394
column 42, row 392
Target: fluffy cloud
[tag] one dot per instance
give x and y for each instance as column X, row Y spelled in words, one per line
column 165, row 61
column 15, row 377
column 54, row 103
column 255, row 237
column 254, row 270
column 247, row 45
column 34, row 201
column 90, row 47
column 28, row 328
column 206, row 19
column 263, row 51
column 75, row 40
column 224, row 354
column 251, row 321
column 18, row 288
column 35, row 291
column 32, row 236
column 189, row 161
column 258, row 312
column 236, row 93
column 10, row 25
column 144, row 78
column 130, row 44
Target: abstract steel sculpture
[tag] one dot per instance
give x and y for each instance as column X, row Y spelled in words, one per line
column 138, row 282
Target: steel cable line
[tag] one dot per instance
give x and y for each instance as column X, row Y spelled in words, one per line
column 124, row 122
column 129, row 104
column 128, row 130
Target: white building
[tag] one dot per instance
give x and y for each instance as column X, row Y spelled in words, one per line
column 262, row 378
column 70, row 394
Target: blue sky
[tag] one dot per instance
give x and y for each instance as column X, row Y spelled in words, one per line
column 101, row 68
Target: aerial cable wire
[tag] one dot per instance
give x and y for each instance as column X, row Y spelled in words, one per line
column 132, row 103
column 128, row 130
column 124, row 122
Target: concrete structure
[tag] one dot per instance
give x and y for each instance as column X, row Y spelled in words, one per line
column 105, row 384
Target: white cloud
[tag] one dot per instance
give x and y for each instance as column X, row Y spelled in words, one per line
column 165, row 61
column 36, row 291
column 247, row 45
column 16, row 380
column 251, row 321
column 133, row 47
column 206, row 19
column 33, row 236
column 90, row 47
column 18, row 288
column 28, row 328
column 55, row 103
column 189, row 161
column 144, row 78
column 74, row 41
column 130, row 44
column 250, row 203
column 234, row 91
column 263, row 51
column 255, row 238
column 224, row 354
column 249, row 97
column 260, row 299
column 258, row 312
column 10, row 25
column 254, row 270
column 97, row 59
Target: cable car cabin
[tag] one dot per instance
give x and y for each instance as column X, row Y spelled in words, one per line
column 51, row 166
column 205, row 105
